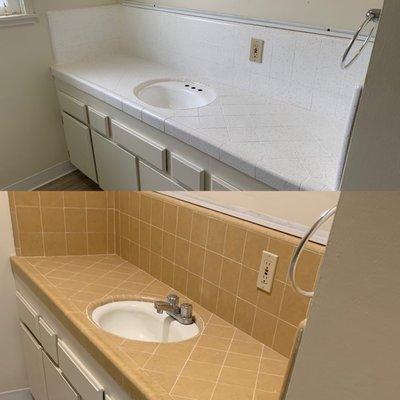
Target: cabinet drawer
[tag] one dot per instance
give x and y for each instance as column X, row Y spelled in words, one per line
column 48, row 339
column 79, row 145
column 116, row 168
column 27, row 314
column 187, row 173
column 76, row 373
column 73, row 107
column 151, row 179
column 33, row 355
column 58, row 387
column 150, row 151
column 99, row 122
column 218, row 184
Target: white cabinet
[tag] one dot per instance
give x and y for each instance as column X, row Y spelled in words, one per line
column 79, row 145
column 58, row 388
column 151, row 179
column 78, row 375
column 187, row 173
column 218, row 184
column 116, row 168
column 33, row 354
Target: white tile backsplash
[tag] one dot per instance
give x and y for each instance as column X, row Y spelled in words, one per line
column 300, row 69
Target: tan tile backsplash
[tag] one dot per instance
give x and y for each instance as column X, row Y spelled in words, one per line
column 214, row 259
column 63, row 223
column 210, row 257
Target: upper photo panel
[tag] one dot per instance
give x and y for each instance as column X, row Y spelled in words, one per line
column 215, row 96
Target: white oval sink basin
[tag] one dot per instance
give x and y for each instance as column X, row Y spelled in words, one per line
column 138, row 320
column 175, row 94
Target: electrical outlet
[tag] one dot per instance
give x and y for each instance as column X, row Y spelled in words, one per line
column 267, row 271
column 256, row 50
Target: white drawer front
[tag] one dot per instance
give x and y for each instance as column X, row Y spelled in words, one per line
column 151, row 179
column 116, row 168
column 27, row 314
column 73, row 107
column 58, row 387
column 218, row 184
column 99, row 122
column 81, row 379
column 150, row 151
column 187, row 173
column 48, row 339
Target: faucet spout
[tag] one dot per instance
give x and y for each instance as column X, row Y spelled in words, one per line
column 183, row 313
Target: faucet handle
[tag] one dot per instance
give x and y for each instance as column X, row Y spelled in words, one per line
column 186, row 311
column 173, row 300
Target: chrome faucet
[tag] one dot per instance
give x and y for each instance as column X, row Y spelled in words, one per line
column 182, row 313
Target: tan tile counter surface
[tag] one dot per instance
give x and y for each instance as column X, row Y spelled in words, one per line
column 219, row 364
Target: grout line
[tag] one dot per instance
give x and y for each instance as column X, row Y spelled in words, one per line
column 223, row 363
column 188, row 358
column 41, row 223
column 65, row 223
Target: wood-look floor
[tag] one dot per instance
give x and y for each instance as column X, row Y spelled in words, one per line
column 75, row 181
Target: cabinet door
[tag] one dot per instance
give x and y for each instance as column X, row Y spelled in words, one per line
column 79, row 145
column 151, row 179
column 116, row 168
column 34, row 364
column 58, row 387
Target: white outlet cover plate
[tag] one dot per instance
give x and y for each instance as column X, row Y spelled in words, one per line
column 267, row 271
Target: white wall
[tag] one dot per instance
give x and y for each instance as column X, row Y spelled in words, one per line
column 12, row 372
column 350, row 349
column 334, row 14
column 31, row 137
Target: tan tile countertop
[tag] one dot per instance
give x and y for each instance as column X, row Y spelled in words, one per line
column 221, row 363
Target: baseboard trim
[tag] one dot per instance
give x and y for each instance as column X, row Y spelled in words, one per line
column 15, row 394
column 42, row 178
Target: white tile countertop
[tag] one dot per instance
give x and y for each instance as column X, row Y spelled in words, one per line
column 281, row 145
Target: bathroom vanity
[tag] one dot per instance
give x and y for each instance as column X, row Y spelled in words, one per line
column 69, row 357
column 148, row 104
column 120, row 151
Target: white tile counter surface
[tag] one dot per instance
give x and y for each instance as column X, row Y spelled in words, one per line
column 284, row 146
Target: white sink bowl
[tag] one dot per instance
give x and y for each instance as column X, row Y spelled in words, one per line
column 174, row 94
column 138, row 320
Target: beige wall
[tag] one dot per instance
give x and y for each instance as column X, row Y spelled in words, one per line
column 334, row 14
column 30, row 128
column 295, row 208
column 374, row 159
column 12, row 372
column 350, row 347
